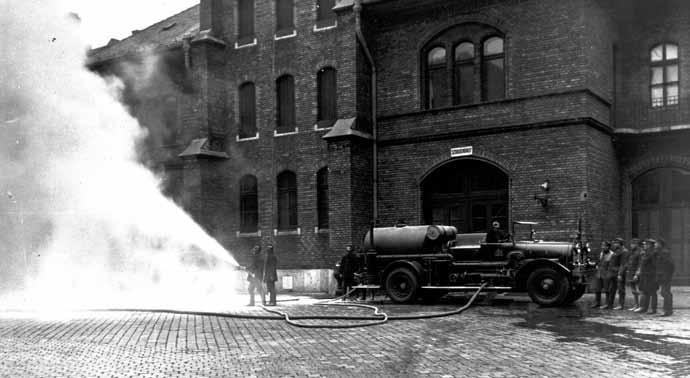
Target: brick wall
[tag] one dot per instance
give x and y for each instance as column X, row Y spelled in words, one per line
column 303, row 153
column 642, row 25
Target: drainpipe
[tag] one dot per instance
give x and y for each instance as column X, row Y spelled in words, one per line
column 357, row 8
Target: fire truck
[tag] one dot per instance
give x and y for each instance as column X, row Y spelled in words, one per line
column 426, row 262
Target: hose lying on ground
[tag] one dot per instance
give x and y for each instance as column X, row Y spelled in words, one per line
column 376, row 319
column 382, row 316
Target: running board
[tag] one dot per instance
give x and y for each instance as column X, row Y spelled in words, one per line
column 499, row 288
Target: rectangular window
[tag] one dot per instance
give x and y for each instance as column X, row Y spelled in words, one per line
column 245, row 21
column 326, row 110
column 247, row 105
column 324, row 13
column 464, row 84
column 286, row 104
column 493, row 80
column 285, row 23
column 439, row 95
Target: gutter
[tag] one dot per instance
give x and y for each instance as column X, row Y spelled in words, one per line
column 357, row 9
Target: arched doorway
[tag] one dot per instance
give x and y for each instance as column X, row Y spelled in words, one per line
column 468, row 194
column 661, row 208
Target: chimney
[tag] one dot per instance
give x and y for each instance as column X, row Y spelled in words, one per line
column 213, row 16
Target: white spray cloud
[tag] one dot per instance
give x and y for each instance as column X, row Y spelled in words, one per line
column 86, row 225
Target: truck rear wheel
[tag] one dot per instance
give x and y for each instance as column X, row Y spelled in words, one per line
column 547, row 287
column 401, row 285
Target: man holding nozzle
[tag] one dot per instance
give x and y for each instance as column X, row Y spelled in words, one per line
column 270, row 274
column 255, row 276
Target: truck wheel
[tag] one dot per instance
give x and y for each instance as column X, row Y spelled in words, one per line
column 548, row 287
column 401, row 285
column 575, row 293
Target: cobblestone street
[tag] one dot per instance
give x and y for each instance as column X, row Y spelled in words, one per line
column 508, row 338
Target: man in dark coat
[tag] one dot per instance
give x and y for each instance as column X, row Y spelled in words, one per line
column 664, row 272
column 646, row 274
column 620, row 259
column 271, row 274
column 602, row 277
column 631, row 268
column 255, row 275
column 348, row 267
column 495, row 234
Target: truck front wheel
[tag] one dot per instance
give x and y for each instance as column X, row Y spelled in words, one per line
column 547, row 287
column 401, row 285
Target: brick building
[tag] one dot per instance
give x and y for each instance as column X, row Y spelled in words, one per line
column 299, row 122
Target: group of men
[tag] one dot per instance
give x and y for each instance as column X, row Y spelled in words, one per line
column 645, row 267
column 262, row 270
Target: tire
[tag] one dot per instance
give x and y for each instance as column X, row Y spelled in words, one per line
column 548, row 287
column 402, row 285
column 575, row 293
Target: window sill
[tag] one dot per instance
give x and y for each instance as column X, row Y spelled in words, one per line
column 324, row 125
column 256, row 137
column 256, row 234
column 318, row 230
column 277, row 134
column 325, row 25
column 282, row 35
column 244, row 43
column 296, row 232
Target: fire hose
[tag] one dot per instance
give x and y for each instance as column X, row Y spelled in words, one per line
column 377, row 318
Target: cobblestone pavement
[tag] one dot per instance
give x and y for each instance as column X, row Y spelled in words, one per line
column 506, row 339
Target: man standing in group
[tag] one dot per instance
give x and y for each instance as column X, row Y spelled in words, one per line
column 271, row 274
column 603, row 276
column 255, row 276
column 664, row 273
column 646, row 274
column 620, row 258
column 631, row 268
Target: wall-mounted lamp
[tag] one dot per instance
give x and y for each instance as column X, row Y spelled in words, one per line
column 543, row 197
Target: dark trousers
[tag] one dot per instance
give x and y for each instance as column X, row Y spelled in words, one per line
column 668, row 297
column 271, row 288
column 603, row 285
column 254, row 284
column 648, row 298
column 612, row 288
column 635, row 292
column 621, row 290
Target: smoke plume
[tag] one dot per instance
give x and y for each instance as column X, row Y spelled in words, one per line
column 82, row 223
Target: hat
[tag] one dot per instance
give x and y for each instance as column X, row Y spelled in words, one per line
column 660, row 241
column 649, row 241
column 495, row 224
column 635, row 240
column 608, row 243
column 618, row 240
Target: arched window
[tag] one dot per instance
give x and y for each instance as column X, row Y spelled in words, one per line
column 285, row 20
column 287, row 201
column 664, row 75
column 464, row 73
column 285, row 88
column 322, row 197
column 493, row 76
column 247, row 105
column 249, row 204
column 437, row 78
column 327, row 90
column 245, row 21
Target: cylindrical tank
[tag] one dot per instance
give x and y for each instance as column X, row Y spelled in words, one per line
column 409, row 239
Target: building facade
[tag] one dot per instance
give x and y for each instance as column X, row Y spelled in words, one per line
column 300, row 123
